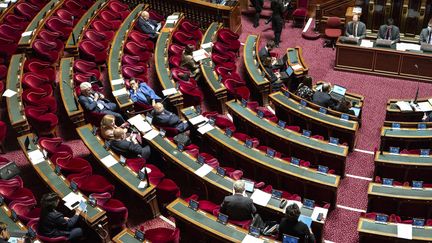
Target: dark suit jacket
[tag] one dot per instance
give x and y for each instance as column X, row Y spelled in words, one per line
column 258, row 5
column 147, row 26
column 322, row 99
column 361, row 29
column 278, row 9
column 395, row 35
column 238, row 207
column 53, row 224
column 91, row 105
column 424, row 36
column 129, row 149
column 166, row 119
column 263, row 53
column 297, row 229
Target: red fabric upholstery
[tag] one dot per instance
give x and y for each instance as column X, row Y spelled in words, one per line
column 91, row 51
column 138, row 37
column 7, row 46
column 183, row 39
column 103, row 38
column 26, row 10
column 167, row 190
column 91, row 184
column 46, row 50
column 116, row 211
column 333, row 27
column 26, row 210
column 85, row 67
column 40, row 98
column 241, row 92
column 56, row 37
column 40, row 68
column 54, row 145
column 59, row 25
column 43, row 122
column 33, row 224
column 3, row 131
column 16, row 21
column 69, row 165
column 66, row 15
column 133, row 60
column 163, row 235
column 192, row 94
column 131, row 71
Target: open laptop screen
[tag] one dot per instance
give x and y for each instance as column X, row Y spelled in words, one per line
column 339, row 89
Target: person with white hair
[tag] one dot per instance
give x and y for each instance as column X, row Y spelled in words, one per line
column 148, row 26
column 96, row 102
column 238, row 206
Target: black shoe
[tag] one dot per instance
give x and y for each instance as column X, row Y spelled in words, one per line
column 255, row 25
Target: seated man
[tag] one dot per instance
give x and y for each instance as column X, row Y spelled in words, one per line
column 127, row 148
column 188, row 62
column 275, row 77
column 265, row 51
column 238, row 206
column 355, row 28
column 142, row 93
column 290, row 225
column 426, row 34
column 389, row 31
column 322, row 97
column 164, row 118
column 96, row 102
column 148, row 26
column 344, row 106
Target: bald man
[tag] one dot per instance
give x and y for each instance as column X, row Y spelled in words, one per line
column 164, row 118
column 149, row 26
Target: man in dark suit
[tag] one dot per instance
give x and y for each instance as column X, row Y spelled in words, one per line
column 290, row 225
column 275, row 77
column 389, row 31
column 258, row 5
column 264, row 52
column 148, row 26
column 164, row 118
column 238, row 206
column 127, row 148
column 323, row 97
column 277, row 7
column 96, row 102
column 355, row 28
column 426, row 34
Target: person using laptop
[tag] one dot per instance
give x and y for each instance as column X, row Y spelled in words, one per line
column 355, row 28
column 290, row 225
column 238, row 206
column 322, row 97
column 52, row 223
column 426, row 34
column 344, row 106
column 389, row 31
column 165, row 118
column 148, row 26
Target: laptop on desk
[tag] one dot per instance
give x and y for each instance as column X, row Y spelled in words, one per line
column 383, row 42
column 338, row 92
column 350, row 40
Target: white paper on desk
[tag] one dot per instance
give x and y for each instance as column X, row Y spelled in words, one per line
column 3, row 5
column 261, row 198
column 139, row 122
column 407, row 46
column 366, row 43
column 142, row 184
column 430, row 101
column 150, row 135
column 404, row 106
column 318, row 210
column 206, row 128
column 170, row 21
column 119, row 92
column 170, row 91
column 9, row 93
column 109, row 161
column 117, row 81
column 250, row 239
column 72, row 198
column 206, row 45
column 27, row 33
column 204, row 170
column 296, row 67
column 172, row 17
column 423, row 106
column 404, row 231
column 200, row 54
column 197, row 119
column 36, row 156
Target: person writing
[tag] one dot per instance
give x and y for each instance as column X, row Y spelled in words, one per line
column 52, row 223
column 238, row 206
column 389, row 31
column 426, row 34
column 290, row 225
column 148, row 26
column 188, row 62
column 355, row 28
column 142, row 93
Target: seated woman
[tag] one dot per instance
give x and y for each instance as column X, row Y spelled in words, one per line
column 290, row 225
column 53, row 223
column 142, row 93
column 188, row 61
column 304, row 89
column 108, row 125
column 275, row 80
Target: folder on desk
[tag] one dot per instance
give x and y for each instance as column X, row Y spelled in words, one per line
column 404, row 106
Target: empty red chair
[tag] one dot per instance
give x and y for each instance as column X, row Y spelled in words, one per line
column 26, row 10
column 222, row 121
column 226, row 35
column 139, row 72
column 33, row 225
column 134, row 49
column 167, row 190
column 46, row 50
column 52, row 36
column 16, row 21
column 112, row 17
column 98, row 37
column 40, row 98
column 42, row 122
column 66, row 15
column 223, row 60
column 26, row 210
column 59, row 25
column 13, row 189
column 138, row 36
column 192, row 94
column 118, row 7
column 38, row 3
column 300, row 13
column 133, row 60
column 91, row 184
column 116, row 211
column 163, row 235
column 333, row 30
column 10, row 32
column 101, row 25
column 183, row 39
column 54, row 145
column 7, row 47
column 74, row 7
column 225, row 50
column 175, row 49
column 175, row 62
column 86, row 67
column 191, row 28
column 241, row 92
column 91, row 51
column 69, row 165
column 34, row 81
column 243, row 137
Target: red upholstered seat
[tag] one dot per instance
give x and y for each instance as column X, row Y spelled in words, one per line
column 300, row 13
column 191, row 28
column 192, row 94
column 241, row 223
column 43, row 122
column 26, row 10
column 133, row 60
column 33, row 225
column 62, row 26
column 163, row 235
column 138, row 36
column 26, row 210
column 92, row 51
column 91, row 184
column 223, row 49
column 66, row 15
column 333, row 29
column 41, row 69
column 54, row 145
column 86, row 67
column 56, row 37
column 144, row 52
column 13, row 190
column 131, row 71
column 236, row 90
column 10, row 32
column 175, row 62
column 113, row 17
column 243, row 137
column 34, row 81
column 183, row 38
column 69, row 165
column 40, row 98
column 116, row 211
column 7, row 46
column 16, row 21
column 74, row 7
column 103, row 38
column 46, row 50
column 156, row 16
column 167, row 190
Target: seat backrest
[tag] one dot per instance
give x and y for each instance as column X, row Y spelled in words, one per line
column 333, row 22
column 302, row 4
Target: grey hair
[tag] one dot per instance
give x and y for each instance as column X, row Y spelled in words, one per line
column 239, row 186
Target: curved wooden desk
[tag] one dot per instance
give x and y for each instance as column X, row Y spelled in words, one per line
column 393, row 113
column 406, row 138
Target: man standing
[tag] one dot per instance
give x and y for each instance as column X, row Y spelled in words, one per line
column 277, row 20
column 389, row 31
column 355, row 28
column 258, row 5
column 238, row 206
column 426, row 34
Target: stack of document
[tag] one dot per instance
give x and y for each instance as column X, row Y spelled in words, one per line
column 73, row 199
column 366, row 43
column 423, row 106
column 9, row 93
column 172, row 19
column 407, row 46
column 260, row 197
column 297, row 67
column 139, row 122
column 200, row 54
column 120, row 92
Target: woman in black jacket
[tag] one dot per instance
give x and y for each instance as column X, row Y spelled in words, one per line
column 290, row 225
column 53, row 223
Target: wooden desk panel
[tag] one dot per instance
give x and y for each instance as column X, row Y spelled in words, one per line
column 363, row 58
column 382, row 61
